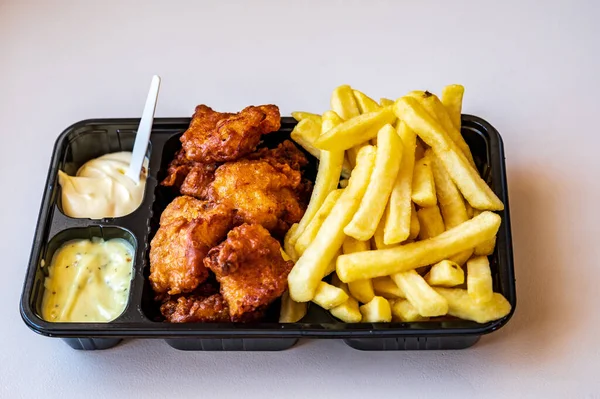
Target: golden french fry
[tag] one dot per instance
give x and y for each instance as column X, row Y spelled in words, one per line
column 427, row 302
column 471, row 185
column 336, row 282
column 423, row 189
column 328, row 176
column 348, row 312
column 384, row 102
column 362, row 290
column 385, row 287
column 331, row 266
column 310, row 268
column 344, row 183
column 452, row 97
column 291, row 312
column 365, row 103
column 355, row 131
column 376, row 311
column 387, row 162
column 403, row 310
column 288, row 247
column 284, row 255
column 415, row 225
column 487, row 248
column 445, row 274
column 470, row 210
column 406, row 257
column 299, row 116
column 309, row 234
column 327, row 296
column 479, row 279
column 330, row 119
column 378, row 239
column 398, row 212
column 352, row 153
column 305, row 133
column 343, row 102
column 430, row 221
column 462, row 257
column 461, row 305
column 449, row 198
column 352, row 245
column 432, row 104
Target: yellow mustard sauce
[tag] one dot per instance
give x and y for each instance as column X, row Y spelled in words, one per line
column 88, row 281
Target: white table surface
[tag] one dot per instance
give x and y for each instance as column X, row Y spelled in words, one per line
column 530, row 69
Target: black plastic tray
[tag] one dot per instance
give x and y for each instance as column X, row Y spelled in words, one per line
column 91, row 138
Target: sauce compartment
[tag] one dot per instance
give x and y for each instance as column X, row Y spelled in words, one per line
column 86, row 233
column 82, row 144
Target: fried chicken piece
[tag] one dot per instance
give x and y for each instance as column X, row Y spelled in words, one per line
column 198, row 180
column 285, row 153
column 221, row 137
column 196, row 309
column 261, row 193
column 178, row 169
column 250, row 268
column 189, row 228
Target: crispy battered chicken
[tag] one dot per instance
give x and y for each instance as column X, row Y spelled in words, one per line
column 196, row 309
column 250, row 268
column 189, row 228
column 220, row 137
column 261, row 193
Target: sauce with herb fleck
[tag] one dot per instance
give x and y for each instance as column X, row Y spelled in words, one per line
column 88, row 281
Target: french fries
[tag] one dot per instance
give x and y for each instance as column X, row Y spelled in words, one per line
column 362, row 290
column 309, row 234
column 404, row 311
column 327, row 296
column 449, row 198
column 398, row 223
column 471, row 185
column 415, row 225
column 387, row 162
column 378, row 310
column 384, row 102
column 305, row 133
column 291, row 312
column 461, row 305
column 348, row 312
column 452, row 96
column 399, row 263
column 407, row 257
column 355, row 131
column 365, row 103
column 432, row 104
column 479, row 279
column 486, row 248
column 424, row 298
column 299, row 116
column 430, row 222
column 328, row 176
column 378, row 239
column 423, row 190
column 445, row 274
column 387, row 288
column 288, row 247
column 310, row 268
column 344, row 103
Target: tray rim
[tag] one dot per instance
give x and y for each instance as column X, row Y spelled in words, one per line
column 260, row 330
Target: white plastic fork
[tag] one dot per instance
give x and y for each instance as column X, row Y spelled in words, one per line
column 140, row 146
